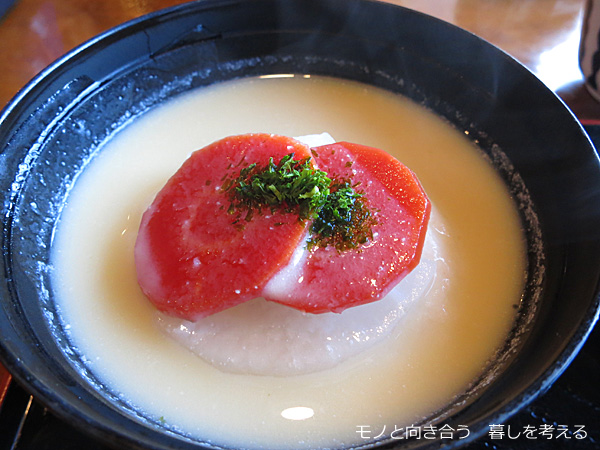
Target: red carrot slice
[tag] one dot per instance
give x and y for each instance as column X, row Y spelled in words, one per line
column 191, row 260
column 330, row 280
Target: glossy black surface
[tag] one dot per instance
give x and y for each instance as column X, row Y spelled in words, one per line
column 5, row 6
column 50, row 132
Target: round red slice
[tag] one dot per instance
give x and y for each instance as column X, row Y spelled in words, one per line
column 327, row 280
column 191, row 259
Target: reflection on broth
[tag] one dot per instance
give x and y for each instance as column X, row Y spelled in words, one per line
column 436, row 349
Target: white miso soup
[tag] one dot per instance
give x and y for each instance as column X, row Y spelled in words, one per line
column 440, row 343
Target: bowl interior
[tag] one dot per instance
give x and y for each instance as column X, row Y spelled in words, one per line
column 53, row 128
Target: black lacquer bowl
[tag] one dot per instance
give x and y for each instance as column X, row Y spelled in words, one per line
column 59, row 121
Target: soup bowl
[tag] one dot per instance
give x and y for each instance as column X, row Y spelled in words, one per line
column 59, row 122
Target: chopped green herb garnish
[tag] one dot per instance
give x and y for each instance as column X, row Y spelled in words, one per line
column 291, row 184
column 341, row 217
column 344, row 221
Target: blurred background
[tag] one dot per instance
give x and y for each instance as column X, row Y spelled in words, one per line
column 542, row 34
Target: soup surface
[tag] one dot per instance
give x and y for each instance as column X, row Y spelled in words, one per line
column 439, row 345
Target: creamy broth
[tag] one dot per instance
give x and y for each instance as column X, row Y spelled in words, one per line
column 441, row 344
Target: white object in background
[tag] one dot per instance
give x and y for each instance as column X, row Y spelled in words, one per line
column 589, row 48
